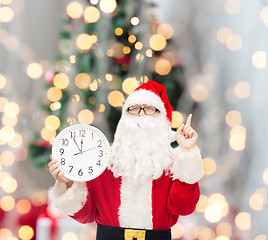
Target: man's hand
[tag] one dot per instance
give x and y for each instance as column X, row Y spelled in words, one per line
column 57, row 173
column 186, row 136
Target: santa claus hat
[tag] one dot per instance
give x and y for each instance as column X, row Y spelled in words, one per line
column 152, row 94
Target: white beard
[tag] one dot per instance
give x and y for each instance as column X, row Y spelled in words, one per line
column 141, row 148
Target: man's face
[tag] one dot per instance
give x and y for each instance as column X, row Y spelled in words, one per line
column 143, row 110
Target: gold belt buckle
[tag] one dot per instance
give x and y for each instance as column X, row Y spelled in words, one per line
column 132, row 233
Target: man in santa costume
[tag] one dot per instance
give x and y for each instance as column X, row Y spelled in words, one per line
column 148, row 184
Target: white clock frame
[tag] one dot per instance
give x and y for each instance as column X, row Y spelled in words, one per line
column 82, row 152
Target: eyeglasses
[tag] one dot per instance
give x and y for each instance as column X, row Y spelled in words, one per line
column 148, row 110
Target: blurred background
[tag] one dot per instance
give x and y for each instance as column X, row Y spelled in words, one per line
column 66, row 62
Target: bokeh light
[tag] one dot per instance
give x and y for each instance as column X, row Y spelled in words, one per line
column 135, row 21
column 259, row 59
column 82, row 80
column 3, row 103
column 5, row 233
column 108, row 6
column 162, row 66
column 34, row 70
column 74, row 10
column 61, row 81
column 224, row 229
column 213, row 213
column 157, row 42
column 199, row 92
column 84, row 42
column 234, row 42
column 265, row 176
column 232, row 6
column 166, row 30
column 3, row 81
column 6, row 14
column 94, row 86
column 26, row 232
column 55, row 106
column 242, row 89
column 48, row 134
column 177, row 230
column 7, row 133
column 243, row 221
column 223, row 34
column 177, row 119
column 261, row 237
column 129, row 85
column 233, row 118
column 132, row 38
column 209, row 166
column 9, row 120
column 52, row 122
column 7, row 158
column 9, row 185
column 116, row 98
column 256, row 202
column 69, row 236
column 102, row 108
column 138, row 45
column 54, row 94
column 202, row 203
column 7, row 203
column 206, row 233
column 16, row 141
column 264, row 15
column 91, row 14
column 11, row 109
column 237, row 139
column 118, row 31
column 85, row 116
column 23, row 206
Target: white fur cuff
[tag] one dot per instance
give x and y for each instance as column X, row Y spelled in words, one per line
column 187, row 165
column 71, row 200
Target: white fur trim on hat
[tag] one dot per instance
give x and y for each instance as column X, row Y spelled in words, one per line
column 71, row 200
column 187, row 165
column 147, row 97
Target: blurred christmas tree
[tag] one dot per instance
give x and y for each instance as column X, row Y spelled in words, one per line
column 107, row 48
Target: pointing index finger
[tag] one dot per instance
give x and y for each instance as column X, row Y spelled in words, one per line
column 188, row 122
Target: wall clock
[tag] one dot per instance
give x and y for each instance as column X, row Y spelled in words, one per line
column 82, row 152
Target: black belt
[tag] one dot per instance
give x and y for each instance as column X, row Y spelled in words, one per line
column 118, row 233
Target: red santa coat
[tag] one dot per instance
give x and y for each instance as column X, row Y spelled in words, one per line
column 117, row 202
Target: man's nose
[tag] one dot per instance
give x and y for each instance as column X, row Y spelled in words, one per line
column 141, row 113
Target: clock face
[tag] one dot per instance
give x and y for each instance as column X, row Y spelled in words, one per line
column 82, row 152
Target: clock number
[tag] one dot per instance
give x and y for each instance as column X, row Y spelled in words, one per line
column 73, row 134
column 65, row 142
column 61, row 151
column 82, row 133
column 101, row 153
column 90, row 170
column 99, row 141
column 62, row 161
column 98, row 163
column 80, row 173
column 71, row 168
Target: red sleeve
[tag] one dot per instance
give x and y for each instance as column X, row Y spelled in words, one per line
column 88, row 212
column 182, row 198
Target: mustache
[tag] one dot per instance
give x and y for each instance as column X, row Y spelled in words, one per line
column 140, row 123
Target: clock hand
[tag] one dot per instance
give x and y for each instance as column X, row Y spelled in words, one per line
column 90, row 149
column 76, row 145
column 81, row 144
column 86, row 150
